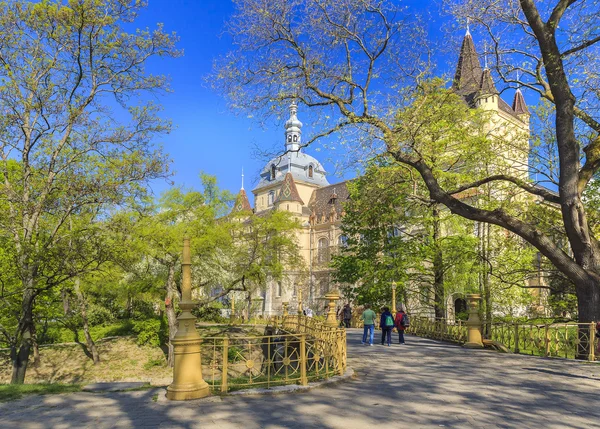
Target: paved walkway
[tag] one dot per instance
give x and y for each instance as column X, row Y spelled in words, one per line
column 424, row 384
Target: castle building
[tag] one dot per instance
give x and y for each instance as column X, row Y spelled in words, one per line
column 297, row 182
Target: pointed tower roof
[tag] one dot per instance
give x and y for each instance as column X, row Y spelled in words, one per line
column 467, row 78
column 487, row 86
column 519, row 105
column 241, row 202
column 288, row 191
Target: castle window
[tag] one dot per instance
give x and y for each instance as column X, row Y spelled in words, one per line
column 295, row 139
column 323, row 251
column 289, row 138
column 271, row 197
column 310, row 171
column 273, row 171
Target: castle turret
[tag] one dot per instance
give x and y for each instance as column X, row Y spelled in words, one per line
column 519, row 106
column 293, row 130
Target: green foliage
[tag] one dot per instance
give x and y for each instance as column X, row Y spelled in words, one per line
column 209, row 313
column 59, row 334
column 152, row 332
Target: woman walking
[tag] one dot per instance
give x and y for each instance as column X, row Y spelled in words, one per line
column 401, row 323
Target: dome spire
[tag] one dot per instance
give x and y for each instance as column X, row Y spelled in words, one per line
column 293, row 130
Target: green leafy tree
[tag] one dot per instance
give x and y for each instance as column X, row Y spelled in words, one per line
column 349, row 58
column 72, row 82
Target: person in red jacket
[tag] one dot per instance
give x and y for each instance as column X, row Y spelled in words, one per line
column 400, row 322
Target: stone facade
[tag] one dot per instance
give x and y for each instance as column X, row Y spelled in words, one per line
column 297, row 182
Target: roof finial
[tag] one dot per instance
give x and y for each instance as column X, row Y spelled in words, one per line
column 518, row 83
column 485, row 55
column 242, row 178
column 468, row 33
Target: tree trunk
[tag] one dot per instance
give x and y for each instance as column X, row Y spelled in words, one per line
column 20, row 358
column 86, row 328
column 588, row 303
column 35, row 345
column 487, row 293
column 170, row 310
column 438, row 267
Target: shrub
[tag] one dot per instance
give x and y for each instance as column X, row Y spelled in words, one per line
column 99, row 315
column 210, row 313
column 151, row 331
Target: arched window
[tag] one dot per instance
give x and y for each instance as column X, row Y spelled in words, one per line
column 323, row 251
column 271, row 198
column 289, row 138
column 295, row 139
column 273, row 171
column 310, row 171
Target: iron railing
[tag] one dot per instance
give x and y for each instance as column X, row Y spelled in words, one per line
column 566, row 340
column 438, row 329
column 294, row 350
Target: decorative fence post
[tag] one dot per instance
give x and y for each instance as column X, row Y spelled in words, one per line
column 474, row 340
column 187, row 371
column 546, row 341
column 516, row 338
column 225, row 364
column 331, row 320
column 303, row 378
column 285, row 308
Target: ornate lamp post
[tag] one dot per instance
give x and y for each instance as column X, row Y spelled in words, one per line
column 394, row 298
column 187, row 371
column 285, row 308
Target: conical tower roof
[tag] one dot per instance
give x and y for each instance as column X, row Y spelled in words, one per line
column 519, row 105
column 487, row 86
column 467, row 78
column 241, row 202
column 288, row 191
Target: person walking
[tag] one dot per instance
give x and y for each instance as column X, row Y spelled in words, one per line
column 347, row 315
column 368, row 318
column 386, row 323
column 401, row 323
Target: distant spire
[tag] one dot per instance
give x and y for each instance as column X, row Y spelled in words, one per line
column 519, row 105
column 467, row 78
column 487, row 86
column 242, row 178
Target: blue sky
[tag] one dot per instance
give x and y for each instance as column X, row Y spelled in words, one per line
column 208, row 136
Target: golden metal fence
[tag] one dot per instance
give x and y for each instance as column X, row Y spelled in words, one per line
column 566, row 340
column 438, row 329
column 294, row 350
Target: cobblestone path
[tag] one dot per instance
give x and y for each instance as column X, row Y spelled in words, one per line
column 424, row 384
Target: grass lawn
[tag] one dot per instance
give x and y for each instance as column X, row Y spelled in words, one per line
column 121, row 359
column 9, row 392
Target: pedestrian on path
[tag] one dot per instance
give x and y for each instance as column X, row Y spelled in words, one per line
column 368, row 318
column 347, row 314
column 401, row 323
column 386, row 323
